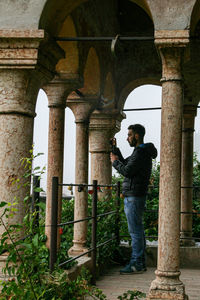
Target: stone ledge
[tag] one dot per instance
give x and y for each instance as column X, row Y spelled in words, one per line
column 72, row 273
column 82, row 262
column 172, row 38
column 189, row 256
column 17, row 33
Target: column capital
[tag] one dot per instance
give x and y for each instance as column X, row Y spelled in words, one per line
column 82, row 107
column 171, row 45
column 106, row 119
column 17, row 97
column 103, row 126
column 48, row 56
column 58, row 89
column 171, row 38
column 19, row 48
column 30, row 49
column 189, row 111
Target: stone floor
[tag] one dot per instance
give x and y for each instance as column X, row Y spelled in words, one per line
column 113, row 284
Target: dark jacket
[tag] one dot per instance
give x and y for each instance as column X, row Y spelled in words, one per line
column 136, row 169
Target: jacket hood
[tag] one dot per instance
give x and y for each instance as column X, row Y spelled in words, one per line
column 150, row 149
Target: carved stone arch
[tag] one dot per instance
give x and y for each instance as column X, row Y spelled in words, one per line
column 133, row 85
column 91, row 74
column 54, row 14
column 70, row 64
column 109, row 90
column 195, row 17
column 144, row 5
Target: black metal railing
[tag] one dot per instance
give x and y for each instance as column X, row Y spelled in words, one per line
column 95, row 219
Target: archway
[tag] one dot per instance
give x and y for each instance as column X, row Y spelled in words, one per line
column 145, row 96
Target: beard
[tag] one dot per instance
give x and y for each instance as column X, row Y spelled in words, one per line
column 133, row 143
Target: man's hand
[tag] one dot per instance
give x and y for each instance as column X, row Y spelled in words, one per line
column 113, row 142
column 113, row 157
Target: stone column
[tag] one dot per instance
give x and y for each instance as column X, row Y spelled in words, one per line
column 57, row 91
column 20, row 79
column 103, row 126
column 18, row 57
column 189, row 114
column 167, row 284
column 82, row 110
column 16, row 137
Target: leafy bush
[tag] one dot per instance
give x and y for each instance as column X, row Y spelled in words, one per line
column 105, row 228
column 131, row 295
column 27, row 258
column 196, row 197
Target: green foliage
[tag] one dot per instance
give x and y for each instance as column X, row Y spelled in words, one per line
column 123, row 222
column 131, row 295
column 27, row 261
column 196, row 197
column 66, row 232
column 105, row 228
column 55, row 286
column 27, row 257
column 152, row 203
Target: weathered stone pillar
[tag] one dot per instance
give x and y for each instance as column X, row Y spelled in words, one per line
column 103, row 126
column 16, row 137
column 18, row 56
column 189, row 114
column 20, row 79
column 57, row 91
column 167, row 284
column 82, row 110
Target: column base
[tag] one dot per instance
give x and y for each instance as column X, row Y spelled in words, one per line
column 3, row 259
column 77, row 249
column 158, row 295
column 3, row 276
column 184, row 241
column 187, row 243
column 167, row 286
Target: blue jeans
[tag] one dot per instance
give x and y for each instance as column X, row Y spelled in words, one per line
column 134, row 209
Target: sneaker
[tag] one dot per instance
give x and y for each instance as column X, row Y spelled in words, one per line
column 130, row 269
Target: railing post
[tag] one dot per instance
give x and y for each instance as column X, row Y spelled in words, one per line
column 54, row 222
column 94, row 230
column 117, row 220
column 36, row 199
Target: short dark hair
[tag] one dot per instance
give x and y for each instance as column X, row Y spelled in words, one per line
column 139, row 129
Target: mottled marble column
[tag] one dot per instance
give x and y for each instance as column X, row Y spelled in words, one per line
column 20, row 81
column 103, row 126
column 57, row 91
column 82, row 110
column 167, row 284
column 17, row 112
column 18, row 57
column 189, row 114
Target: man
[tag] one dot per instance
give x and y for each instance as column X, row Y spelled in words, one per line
column 136, row 170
